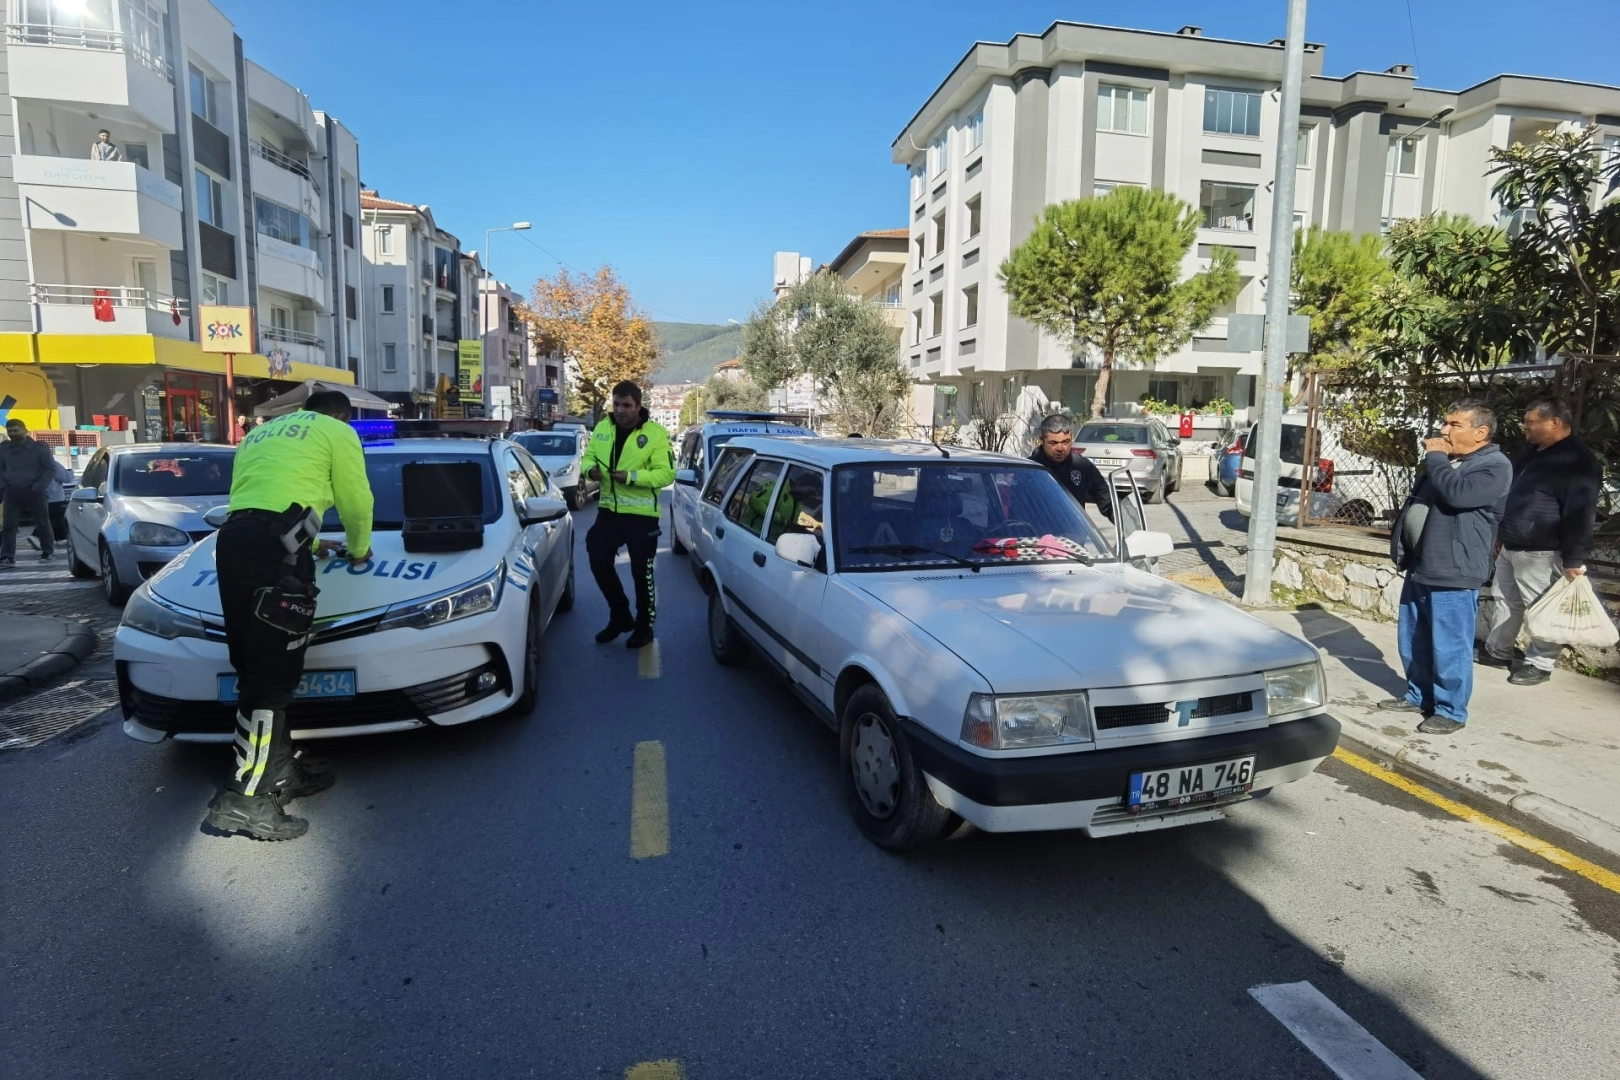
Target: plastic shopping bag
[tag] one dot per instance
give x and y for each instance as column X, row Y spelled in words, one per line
column 1569, row 614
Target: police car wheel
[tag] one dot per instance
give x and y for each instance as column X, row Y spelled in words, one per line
column 115, row 591
column 675, row 545
column 530, row 695
column 887, row 793
column 566, row 601
column 571, row 497
column 725, row 637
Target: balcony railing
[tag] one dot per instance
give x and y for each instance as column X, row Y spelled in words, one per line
column 292, row 337
column 84, row 37
column 119, row 296
column 283, row 161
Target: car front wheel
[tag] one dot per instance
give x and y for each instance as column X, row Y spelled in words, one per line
column 113, row 589
column 725, row 637
column 530, row 695
column 887, row 793
column 76, row 566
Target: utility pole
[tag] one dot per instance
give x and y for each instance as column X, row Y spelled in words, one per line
column 1268, row 432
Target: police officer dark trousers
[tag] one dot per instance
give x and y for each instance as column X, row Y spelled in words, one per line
column 288, row 473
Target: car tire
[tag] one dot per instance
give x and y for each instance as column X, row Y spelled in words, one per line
column 1224, row 490
column 887, row 793
column 115, row 591
column 532, row 638
column 77, row 567
column 1157, row 494
column 726, row 641
column 675, row 545
column 565, row 602
column 571, row 497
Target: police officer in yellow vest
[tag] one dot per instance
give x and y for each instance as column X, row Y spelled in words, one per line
column 289, row 472
column 631, row 457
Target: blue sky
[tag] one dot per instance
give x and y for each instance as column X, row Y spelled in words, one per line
column 684, row 142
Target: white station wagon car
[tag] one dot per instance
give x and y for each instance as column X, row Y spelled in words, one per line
column 407, row 639
column 983, row 653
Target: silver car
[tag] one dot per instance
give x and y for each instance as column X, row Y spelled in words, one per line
column 1140, row 444
column 139, row 506
column 560, row 453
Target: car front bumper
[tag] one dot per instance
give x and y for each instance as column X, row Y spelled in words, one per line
column 1086, row 789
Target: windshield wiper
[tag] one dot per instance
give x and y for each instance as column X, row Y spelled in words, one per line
column 913, row 549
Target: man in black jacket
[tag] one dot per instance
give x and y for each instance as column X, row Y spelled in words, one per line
column 1445, row 540
column 1079, row 476
column 1545, row 532
column 27, row 470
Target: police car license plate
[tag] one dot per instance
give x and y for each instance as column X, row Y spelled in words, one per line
column 1167, row 788
column 314, row 684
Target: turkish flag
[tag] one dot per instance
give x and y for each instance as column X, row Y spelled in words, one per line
column 102, row 303
column 174, row 310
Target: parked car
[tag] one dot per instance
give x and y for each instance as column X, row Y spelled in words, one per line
column 982, row 652
column 1225, row 464
column 698, row 446
column 559, row 453
column 407, row 639
column 1142, row 445
column 1332, row 499
column 139, row 505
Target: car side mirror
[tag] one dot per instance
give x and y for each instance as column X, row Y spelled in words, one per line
column 1148, row 545
column 215, row 517
column 801, row 548
column 85, row 495
column 689, row 477
column 540, row 509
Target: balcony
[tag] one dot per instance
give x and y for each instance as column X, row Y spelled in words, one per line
column 286, row 180
column 73, row 309
column 294, row 270
column 126, row 79
column 103, row 198
column 298, row 345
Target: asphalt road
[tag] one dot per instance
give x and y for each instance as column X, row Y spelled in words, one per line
column 465, row 905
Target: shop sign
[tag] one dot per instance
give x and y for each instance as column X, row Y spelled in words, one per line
column 226, row 329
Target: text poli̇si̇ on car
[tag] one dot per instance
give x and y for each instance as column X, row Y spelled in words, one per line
column 982, row 652
column 440, row 630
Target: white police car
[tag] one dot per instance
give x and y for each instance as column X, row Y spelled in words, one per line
column 407, row 639
column 699, row 445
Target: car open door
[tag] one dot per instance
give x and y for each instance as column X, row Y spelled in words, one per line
column 1129, row 516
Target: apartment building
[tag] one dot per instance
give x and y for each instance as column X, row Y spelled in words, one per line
column 506, row 343
column 109, row 243
column 1080, row 109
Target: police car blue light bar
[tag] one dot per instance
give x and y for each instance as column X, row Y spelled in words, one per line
column 740, row 414
column 419, row 429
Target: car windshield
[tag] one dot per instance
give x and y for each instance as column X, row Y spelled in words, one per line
column 548, row 444
column 388, row 492
column 950, row 514
column 171, row 475
column 1133, row 434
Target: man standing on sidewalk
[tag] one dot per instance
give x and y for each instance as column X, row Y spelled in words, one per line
column 1546, row 529
column 27, row 468
column 1444, row 540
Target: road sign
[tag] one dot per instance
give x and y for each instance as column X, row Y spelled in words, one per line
column 226, row 329
column 1247, row 333
column 945, row 388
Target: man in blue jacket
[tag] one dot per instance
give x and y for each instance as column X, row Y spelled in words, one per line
column 1445, row 541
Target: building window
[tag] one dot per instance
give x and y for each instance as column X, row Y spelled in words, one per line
column 1009, row 393
column 1403, row 155
column 385, row 240
column 970, row 306
column 1166, row 390
column 280, row 318
column 916, row 326
column 388, row 299
column 1303, row 154
column 390, row 357
column 1122, row 108
column 919, row 181
column 204, row 95
column 214, row 290
column 974, row 206
column 1227, row 206
column 922, row 253
column 939, row 153
column 937, row 305
column 939, row 232
column 1232, row 112
column 975, row 130
column 210, row 200
column 1611, row 150
column 891, row 295
column 1299, row 220
column 280, row 223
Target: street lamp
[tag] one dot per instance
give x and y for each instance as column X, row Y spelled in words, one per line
column 489, row 277
column 1395, row 162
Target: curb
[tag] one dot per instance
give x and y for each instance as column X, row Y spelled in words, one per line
column 1594, row 830
column 74, row 648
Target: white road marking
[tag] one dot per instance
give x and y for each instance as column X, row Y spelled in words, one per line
column 1343, row 1045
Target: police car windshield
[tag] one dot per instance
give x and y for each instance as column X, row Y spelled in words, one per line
column 169, row 475
column 548, row 444
column 383, row 473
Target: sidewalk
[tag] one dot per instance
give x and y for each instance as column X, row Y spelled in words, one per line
column 34, row 649
column 1551, row 752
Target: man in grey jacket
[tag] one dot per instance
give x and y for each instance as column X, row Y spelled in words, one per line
column 1445, row 541
column 27, row 468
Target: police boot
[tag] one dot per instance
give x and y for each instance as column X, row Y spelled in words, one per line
column 259, row 816
column 306, row 776
column 618, row 623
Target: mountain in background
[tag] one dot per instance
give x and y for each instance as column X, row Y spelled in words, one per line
column 689, row 352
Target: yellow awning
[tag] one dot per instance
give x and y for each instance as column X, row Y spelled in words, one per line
column 149, row 349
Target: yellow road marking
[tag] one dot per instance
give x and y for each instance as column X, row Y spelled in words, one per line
column 655, row 1070
column 1518, row 837
column 647, row 662
column 649, row 807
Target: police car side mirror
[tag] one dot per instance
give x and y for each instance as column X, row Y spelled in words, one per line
column 1148, row 545
column 801, row 548
column 539, row 510
column 216, row 516
column 689, row 477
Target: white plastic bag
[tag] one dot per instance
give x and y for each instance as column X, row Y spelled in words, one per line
column 1569, row 614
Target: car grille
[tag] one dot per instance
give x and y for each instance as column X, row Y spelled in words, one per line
column 1118, row 716
column 421, row 703
column 1118, row 813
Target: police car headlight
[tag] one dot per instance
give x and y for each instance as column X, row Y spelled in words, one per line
column 1295, row 689
column 468, row 600
column 151, row 534
column 1017, row 721
column 148, row 614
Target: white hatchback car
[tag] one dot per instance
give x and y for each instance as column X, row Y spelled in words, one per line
column 984, row 655
column 699, row 445
column 404, row 640
column 561, row 453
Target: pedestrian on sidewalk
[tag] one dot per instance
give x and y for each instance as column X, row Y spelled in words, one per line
column 56, row 499
column 1445, row 542
column 1546, row 530
column 27, row 468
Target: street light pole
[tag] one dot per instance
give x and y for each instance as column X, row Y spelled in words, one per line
column 1394, row 158
column 1268, row 432
column 489, row 278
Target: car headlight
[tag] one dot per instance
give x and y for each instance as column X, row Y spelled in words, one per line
column 150, row 615
column 1016, row 721
column 565, row 470
column 1295, row 689
column 151, row 534
column 468, row 600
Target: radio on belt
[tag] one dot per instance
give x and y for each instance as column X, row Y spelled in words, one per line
column 444, row 506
